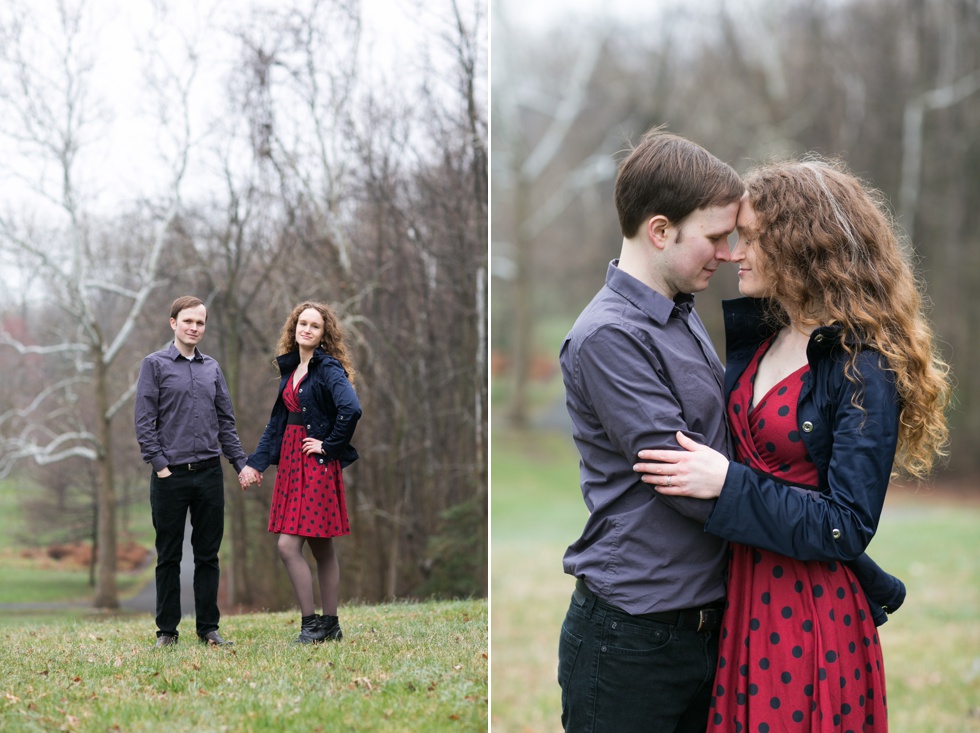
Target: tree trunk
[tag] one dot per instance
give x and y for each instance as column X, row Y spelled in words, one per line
column 106, row 593
column 239, row 588
column 523, row 315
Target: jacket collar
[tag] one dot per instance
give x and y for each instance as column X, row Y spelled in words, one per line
column 290, row 360
column 747, row 322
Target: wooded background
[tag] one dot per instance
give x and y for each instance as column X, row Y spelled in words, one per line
column 302, row 174
column 890, row 86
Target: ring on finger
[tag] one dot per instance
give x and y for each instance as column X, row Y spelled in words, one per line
column 669, row 477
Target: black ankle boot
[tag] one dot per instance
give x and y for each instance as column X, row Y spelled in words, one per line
column 311, row 631
column 330, row 625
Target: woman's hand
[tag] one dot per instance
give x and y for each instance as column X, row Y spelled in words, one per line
column 311, row 446
column 697, row 471
column 249, row 476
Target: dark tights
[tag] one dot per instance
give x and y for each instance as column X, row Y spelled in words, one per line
column 327, row 570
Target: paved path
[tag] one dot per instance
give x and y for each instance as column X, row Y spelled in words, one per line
column 145, row 601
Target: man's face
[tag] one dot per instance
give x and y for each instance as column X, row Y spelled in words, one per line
column 188, row 326
column 698, row 246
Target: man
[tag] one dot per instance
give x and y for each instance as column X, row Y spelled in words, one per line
column 184, row 421
column 638, row 645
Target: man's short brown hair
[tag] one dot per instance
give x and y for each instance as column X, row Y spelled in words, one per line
column 668, row 175
column 183, row 303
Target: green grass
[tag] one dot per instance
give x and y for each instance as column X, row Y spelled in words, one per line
column 931, row 645
column 400, row 667
column 32, row 585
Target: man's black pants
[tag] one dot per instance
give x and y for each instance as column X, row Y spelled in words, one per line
column 202, row 493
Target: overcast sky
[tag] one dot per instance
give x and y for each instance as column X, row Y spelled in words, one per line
column 128, row 145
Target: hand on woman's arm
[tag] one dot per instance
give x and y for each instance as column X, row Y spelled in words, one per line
column 697, row 471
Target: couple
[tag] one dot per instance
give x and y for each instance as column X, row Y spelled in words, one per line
column 832, row 376
column 185, row 421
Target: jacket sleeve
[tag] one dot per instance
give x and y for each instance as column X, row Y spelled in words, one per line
column 885, row 592
column 348, row 411
column 839, row 522
column 268, row 450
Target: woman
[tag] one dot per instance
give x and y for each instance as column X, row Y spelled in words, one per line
column 309, row 437
column 832, row 378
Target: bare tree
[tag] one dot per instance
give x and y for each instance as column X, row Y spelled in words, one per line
column 52, row 118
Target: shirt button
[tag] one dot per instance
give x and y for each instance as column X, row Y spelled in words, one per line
column 807, row 426
column 836, row 533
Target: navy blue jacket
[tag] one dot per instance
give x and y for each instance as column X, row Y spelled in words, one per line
column 330, row 411
column 853, row 450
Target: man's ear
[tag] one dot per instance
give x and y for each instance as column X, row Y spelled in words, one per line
column 656, row 230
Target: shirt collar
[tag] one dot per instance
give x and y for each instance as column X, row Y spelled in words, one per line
column 656, row 305
column 174, row 353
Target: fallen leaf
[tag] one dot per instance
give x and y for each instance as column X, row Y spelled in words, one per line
column 11, row 698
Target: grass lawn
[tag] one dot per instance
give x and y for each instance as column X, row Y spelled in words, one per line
column 400, row 667
column 931, row 645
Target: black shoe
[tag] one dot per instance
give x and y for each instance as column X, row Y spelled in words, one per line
column 331, row 628
column 213, row 638
column 165, row 640
column 311, row 631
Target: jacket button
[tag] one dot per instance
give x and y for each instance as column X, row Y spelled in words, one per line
column 807, row 426
column 836, row 533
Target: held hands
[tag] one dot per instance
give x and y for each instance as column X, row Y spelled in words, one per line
column 311, row 446
column 697, row 471
column 249, row 476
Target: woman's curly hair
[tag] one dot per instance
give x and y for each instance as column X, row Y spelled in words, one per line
column 832, row 254
column 333, row 341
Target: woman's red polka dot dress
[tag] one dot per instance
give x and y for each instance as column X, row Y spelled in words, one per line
column 308, row 499
column 799, row 650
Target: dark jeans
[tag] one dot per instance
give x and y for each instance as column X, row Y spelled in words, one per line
column 201, row 492
column 625, row 673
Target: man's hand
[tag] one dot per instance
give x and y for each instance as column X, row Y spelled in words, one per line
column 164, row 472
column 249, row 476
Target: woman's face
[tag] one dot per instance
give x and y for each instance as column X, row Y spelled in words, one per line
column 752, row 280
column 309, row 329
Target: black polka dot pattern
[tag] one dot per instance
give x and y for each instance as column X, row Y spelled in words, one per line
column 308, row 499
column 798, row 649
